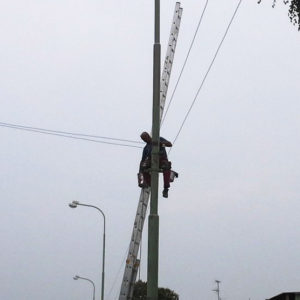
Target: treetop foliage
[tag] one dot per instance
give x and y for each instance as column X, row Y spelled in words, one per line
column 294, row 10
column 140, row 292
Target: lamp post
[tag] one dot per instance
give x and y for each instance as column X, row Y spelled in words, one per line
column 74, row 204
column 76, row 277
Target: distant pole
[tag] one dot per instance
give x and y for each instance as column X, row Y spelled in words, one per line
column 217, row 290
column 153, row 220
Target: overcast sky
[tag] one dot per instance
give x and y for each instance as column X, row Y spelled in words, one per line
column 86, row 66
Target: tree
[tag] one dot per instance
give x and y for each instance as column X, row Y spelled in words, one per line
column 140, row 292
column 294, row 10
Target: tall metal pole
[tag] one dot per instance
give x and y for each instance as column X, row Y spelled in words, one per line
column 153, row 221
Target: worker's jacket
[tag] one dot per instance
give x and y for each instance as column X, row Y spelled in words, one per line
column 148, row 150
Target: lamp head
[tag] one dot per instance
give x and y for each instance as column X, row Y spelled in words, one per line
column 74, row 204
column 76, row 277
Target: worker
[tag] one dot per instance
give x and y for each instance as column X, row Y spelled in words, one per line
column 164, row 164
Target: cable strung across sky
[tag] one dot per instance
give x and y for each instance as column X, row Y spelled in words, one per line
column 185, row 61
column 91, row 138
column 206, row 74
column 78, row 136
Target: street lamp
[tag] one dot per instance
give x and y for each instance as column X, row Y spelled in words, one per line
column 76, row 277
column 74, row 204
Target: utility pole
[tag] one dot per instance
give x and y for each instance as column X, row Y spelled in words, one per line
column 217, row 290
column 153, row 220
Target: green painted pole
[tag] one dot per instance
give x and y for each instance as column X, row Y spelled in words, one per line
column 153, row 221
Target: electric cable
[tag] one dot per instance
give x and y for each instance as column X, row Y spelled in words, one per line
column 118, row 273
column 207, row 72
column 68, row 136
column 72, row 133
column 185, row 61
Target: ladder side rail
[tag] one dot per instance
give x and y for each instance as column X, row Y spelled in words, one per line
column 134, row 243
column 134, row 275
column 170, row 57
column 173, row 35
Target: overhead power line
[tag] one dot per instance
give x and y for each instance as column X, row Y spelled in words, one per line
column 117, row 275
column 84, row 137
column 185, row 61
column 207, row 72
column 71, row 133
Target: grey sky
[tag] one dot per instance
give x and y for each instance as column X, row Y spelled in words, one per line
column 86, row 66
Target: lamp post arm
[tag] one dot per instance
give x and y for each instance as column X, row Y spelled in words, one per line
column 88, row 205
column 79, row 277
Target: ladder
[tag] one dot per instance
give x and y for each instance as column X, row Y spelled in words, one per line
column 132, row 261
column 165, row 78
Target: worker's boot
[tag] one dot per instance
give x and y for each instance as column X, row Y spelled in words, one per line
column 165, row 192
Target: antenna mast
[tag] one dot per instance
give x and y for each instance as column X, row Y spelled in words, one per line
column 217, row 289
